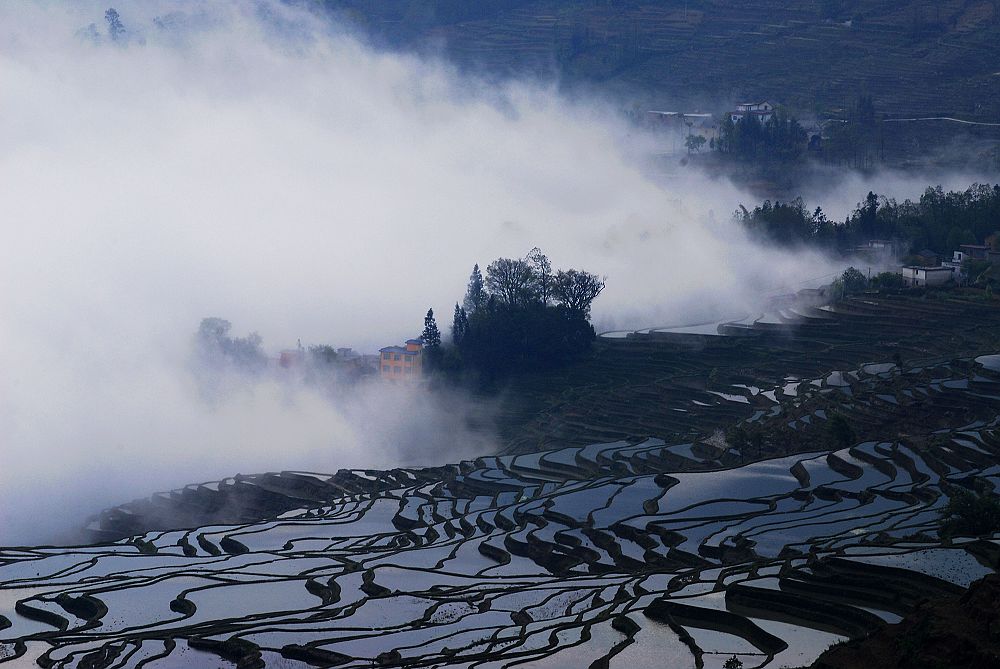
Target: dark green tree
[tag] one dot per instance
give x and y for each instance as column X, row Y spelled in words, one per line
column 116, row 29
column 577, row 290
column 888, row 281
column 969, row 514
column 475, row 293
column 541, row 267
column 512, row 282
column 216, row 348
column 854, row 280
column 459, row 325
column 431, row 335
column 781, row 138
column 694, row 143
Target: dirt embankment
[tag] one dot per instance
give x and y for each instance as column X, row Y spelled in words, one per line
column 953, row 632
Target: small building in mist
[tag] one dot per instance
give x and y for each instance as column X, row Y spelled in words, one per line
column 922, row 277
column 292, row 357
column 402, row 362
column 762, row 110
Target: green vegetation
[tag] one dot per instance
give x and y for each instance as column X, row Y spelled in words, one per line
column 971, row 514
column 215, row 347
column 858, row 139
column 694, row 143
column 521, row 316
column 431, row 337
column 116, row 29
column 779, row 139
column 938, row 220
column 822, row 59
column 631, row 387
column 323, row 354
column 888, row 281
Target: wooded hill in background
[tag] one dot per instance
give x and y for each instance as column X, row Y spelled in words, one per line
column 917, row 59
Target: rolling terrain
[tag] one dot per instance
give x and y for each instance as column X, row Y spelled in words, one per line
column 932, row 68
column 596, row 556
column 675, row 545
column 918, row 58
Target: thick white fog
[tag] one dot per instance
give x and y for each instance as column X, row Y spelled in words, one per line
column 247, row 161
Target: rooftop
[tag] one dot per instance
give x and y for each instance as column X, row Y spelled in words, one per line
column 396, row 349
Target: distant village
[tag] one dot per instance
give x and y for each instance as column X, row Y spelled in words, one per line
column 406, row 362
column 394, row 363
column 928, row 269
column 705, row 128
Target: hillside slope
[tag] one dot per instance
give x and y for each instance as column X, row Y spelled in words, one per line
column 918, row 58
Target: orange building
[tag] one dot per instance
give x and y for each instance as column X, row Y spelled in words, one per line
column 402, row 362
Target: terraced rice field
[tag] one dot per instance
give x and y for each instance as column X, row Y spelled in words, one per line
column 638, row 552
column 679, row 385
column 916, row 57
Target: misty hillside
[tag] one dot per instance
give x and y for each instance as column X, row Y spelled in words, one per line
column 917, row 58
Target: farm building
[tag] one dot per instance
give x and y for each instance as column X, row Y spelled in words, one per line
column 762, row 110
column 927, row 276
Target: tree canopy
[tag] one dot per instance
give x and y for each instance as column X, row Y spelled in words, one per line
column 431, row 335
column 524, row 315
column 217, row 348
column 937, row 220
column 780, row 138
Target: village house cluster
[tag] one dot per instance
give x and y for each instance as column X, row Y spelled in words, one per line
column 936, row 272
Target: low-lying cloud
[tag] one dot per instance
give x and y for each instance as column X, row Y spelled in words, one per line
column 250, row 161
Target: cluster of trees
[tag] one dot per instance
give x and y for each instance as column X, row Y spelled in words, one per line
column 521, row 314
column 216, row 348
column 116, row 31
column 970, row 514
column 786, row 223
column 938, row 220
column 219, row 355
column 779, row 139
column 857, row 140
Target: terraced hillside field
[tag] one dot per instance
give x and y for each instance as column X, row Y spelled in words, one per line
column 679, row 383
column 630, row 553
column 918, row 58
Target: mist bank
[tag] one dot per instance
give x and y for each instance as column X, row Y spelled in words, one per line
column 253, row 161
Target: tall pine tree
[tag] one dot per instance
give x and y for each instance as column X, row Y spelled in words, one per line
column 475, row 294
column 459, row 325
column 431, row 335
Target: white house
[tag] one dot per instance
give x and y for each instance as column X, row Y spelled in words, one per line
column 762, row 110
column 927, row 276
